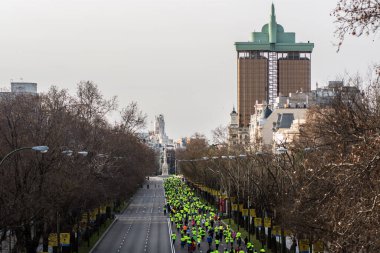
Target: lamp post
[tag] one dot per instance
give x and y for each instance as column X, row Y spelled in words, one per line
column 282, row 151
column 42, row 149
column 238, row 183
column 67, row 152
column 227, row 183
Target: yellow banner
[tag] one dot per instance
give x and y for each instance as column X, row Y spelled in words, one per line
column 252, row 213
column 267, row 222
column 65, row 239
column 241, row 206
column 303, row 245
column 53, row 240
column 258, row 222
column 318, row 247
column 244, row 212
column 276, row 230
column 234, row 207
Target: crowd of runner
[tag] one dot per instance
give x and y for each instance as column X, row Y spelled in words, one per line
column 197, row 222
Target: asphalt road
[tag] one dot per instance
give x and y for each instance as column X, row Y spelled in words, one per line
column 142, row 227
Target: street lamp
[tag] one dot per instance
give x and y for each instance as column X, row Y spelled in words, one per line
column 282, row 150
column 70, row 153
column 42, row 149
column 67, row 152
column 83, row 153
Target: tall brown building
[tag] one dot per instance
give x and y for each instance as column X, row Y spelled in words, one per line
column 270, row 65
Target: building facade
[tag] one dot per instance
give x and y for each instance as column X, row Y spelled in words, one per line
column 271, row 64
column 23, row 87
column 159, row 130
column 20, row 88
column 278, row 125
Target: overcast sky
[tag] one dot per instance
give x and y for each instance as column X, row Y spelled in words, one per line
column 175, row 57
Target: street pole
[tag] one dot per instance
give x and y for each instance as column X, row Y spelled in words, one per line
column 229, row 203
column 249, row 204
column 249, row 215
column 42, row 149
column 238, row 195
column 58, row 235
column 10, row 240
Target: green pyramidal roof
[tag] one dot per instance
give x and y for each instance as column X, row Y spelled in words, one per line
column 274, row 38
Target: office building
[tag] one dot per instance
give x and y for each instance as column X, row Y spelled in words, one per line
column 269, row 65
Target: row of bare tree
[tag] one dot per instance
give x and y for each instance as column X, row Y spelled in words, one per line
column 323, row 186
column 34, row 187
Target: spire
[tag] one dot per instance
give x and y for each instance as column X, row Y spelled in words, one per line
column 272, row 26
column 233, row 110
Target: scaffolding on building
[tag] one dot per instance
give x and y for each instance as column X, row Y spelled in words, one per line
column 272, row 78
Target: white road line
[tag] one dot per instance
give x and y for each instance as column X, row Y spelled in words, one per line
column 170, row 239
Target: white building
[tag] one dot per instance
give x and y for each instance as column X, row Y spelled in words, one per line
column 275, row 127
column 159, row 141
column 278, row 124
column 159, row 130
column 237, row 135
column 20, row 88
column 23, row 87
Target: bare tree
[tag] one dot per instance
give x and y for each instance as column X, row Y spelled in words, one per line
column 133, row 119
column 220, row 135
column 356, row 17
column 90, row 103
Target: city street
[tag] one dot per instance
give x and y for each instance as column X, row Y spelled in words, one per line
column 142, row 227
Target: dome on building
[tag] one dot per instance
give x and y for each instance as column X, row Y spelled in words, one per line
column 265, row 28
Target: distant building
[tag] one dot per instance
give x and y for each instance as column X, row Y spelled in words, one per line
column 265, row 124
column 159, row 130
column 270, row 65
column 272, row 127
column 233, row 128
column 161, row 144
column 23, row 87
column 182, row 142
